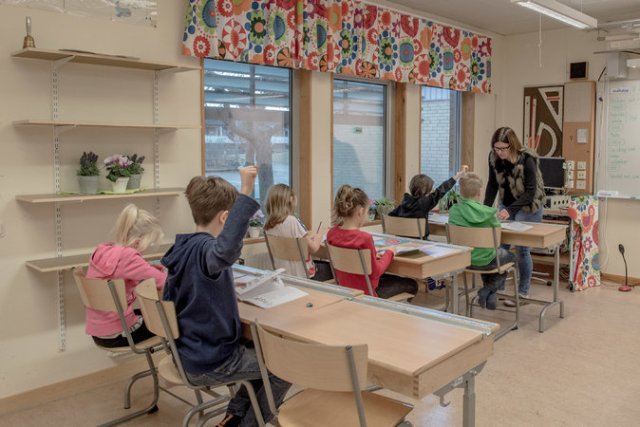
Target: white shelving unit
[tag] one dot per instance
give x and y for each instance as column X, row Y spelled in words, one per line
column 58, row 59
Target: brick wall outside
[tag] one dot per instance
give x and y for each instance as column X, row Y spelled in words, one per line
column 435, row 140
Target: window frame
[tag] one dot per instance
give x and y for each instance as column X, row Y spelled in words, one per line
column 455, row 132
column 388, row 155
column 291, row 129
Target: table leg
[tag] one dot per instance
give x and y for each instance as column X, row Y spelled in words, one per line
column 556, row 286
column 469, row 402
column 454, row 294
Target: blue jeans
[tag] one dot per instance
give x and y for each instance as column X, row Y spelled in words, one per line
column 525, row 264
column 243, row 365
column 495, row 281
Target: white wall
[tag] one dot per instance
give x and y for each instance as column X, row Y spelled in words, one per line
column 522, row 68
column 28, row 310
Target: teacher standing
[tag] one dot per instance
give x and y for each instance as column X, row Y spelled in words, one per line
column 515, row 175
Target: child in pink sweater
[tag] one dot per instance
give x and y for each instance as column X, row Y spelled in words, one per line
column 136, row 230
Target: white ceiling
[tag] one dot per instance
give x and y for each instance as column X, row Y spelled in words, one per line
column 503, row 17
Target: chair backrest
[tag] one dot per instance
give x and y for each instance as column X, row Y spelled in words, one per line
column 317, row 366
column 96, row 293
column 482, row 237
column 354, row 261
column 405, row 227
column 287, row 248
column 149, row 300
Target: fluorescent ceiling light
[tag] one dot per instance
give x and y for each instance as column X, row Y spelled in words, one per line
column 561, row 12
column 633, row 63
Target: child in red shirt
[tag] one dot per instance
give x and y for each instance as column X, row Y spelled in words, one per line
column 349, row 214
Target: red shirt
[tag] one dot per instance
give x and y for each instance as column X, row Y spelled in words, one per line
column 356, row 239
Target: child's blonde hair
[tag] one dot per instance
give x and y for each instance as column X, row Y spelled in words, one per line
column 137, row 228
column 347, row 200
column 208, row 196
column 280, row 203
column 420, row 185
column 470, row 185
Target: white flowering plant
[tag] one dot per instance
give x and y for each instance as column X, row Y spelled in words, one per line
column 118, row 167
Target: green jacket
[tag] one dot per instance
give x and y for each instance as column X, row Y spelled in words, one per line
column 469, row 213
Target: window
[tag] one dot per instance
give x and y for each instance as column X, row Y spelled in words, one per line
column 247, row 121
column 360, row 136
column 440, row 133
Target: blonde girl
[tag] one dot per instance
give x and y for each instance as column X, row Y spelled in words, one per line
column 280, row 206
column 136, row 230
column 349, row 214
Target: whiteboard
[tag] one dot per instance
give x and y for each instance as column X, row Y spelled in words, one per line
column 618, row 154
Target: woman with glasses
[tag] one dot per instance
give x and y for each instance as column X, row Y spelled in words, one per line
column 515, row 175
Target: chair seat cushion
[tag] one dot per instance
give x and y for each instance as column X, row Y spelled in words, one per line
column 321, row 408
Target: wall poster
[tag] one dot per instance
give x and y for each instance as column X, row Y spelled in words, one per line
column 543, row 108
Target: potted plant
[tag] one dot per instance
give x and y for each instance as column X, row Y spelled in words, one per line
column 255, row 224
column 372, row 210
column 88, row 173
column 449, row 199
column 135, row 171
column 384, row 206
column 118, row 167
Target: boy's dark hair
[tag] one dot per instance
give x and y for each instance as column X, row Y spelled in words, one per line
column 420, row 185
column 209, row 195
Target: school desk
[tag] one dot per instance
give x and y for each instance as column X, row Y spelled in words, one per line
column 414, row 351
column 541, row 236
column 444, row 259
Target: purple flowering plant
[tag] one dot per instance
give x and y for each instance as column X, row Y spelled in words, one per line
column 118, row 167
column 257, row 220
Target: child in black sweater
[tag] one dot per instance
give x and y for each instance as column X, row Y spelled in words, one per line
column 422, row 199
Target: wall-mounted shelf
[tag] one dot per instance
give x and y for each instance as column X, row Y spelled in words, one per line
column 71, row 124
column 51, row 265
column 97, row 59
column 80, row 198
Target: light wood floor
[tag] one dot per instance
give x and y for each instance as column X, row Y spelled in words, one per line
column 583, row 371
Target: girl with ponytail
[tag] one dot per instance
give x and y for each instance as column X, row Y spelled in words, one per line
column 349, row 214
column 136, row 230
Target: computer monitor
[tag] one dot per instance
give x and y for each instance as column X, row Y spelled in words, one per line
column 552, row 169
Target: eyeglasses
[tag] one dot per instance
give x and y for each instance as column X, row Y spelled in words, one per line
column 498, row 149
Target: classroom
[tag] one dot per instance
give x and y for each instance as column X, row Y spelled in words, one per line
column 317, row 94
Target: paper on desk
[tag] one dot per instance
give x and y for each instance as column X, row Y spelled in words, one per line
column 438, row 251
column 438, row 219
column 266, row 294
column 515, row 226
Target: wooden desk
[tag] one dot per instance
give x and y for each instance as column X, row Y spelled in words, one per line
column 420, row 266
column 413, row 350
column 540, row 236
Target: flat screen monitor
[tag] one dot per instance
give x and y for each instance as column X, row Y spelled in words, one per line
column 552, row 169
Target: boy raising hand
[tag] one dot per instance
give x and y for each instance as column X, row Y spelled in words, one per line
column 200, row 283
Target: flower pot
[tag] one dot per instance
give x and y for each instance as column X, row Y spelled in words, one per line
column 88, row 184
column 134, row 182
column 120, row 185
column 372, row 214
column 254, row 232
column 383, row 210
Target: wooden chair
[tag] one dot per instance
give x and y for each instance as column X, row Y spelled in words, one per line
column 404, row 227
column 334, row 380
column 110, row 295
column 484, row 237
column 287, row 248
column 160, row 317
column 356, row 261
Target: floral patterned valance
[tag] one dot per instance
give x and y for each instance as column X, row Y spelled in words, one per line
column 347, row 37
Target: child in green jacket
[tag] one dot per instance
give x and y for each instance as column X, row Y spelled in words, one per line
column 470, row 212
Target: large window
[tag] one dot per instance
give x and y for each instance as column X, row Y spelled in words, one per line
column 440, row 133
column 247, row 111
column 359, row 136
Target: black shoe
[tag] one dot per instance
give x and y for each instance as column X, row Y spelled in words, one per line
column 230, row 420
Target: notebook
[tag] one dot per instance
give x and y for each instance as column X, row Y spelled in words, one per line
column 265, row 291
